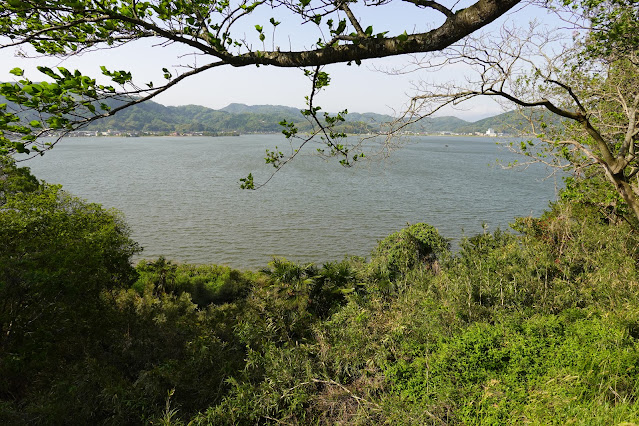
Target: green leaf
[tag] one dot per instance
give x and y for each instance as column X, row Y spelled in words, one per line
column 20, row 148
column 17, row 71
column 247, row 182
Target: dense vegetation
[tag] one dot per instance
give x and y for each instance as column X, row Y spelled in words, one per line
column 539, row 327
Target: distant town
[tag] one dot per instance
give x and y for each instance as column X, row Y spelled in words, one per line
column 134, row 134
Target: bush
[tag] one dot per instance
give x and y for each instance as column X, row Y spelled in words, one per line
column 544, row 369
column 417, row 245
column 59, row 258
column 206, row 284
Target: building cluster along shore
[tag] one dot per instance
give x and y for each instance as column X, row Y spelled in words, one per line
column 124, row 133
column 132, row 134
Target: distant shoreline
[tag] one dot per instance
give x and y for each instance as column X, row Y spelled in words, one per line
column 125, row 134
column 118, row 134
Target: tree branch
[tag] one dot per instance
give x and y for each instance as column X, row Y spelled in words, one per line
column 358, row 28
column 463, row 23
column 433, row 5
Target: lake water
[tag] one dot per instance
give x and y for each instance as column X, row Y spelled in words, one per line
column 181, row 196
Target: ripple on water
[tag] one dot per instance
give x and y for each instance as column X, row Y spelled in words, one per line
column 182, row 200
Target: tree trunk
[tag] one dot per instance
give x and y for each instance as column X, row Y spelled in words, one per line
column 628, row 194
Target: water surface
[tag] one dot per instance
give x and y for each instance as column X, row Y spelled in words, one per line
column 181, row 196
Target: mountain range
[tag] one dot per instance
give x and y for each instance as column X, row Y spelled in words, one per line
column 153, row 117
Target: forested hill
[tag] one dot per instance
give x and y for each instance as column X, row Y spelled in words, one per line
column 240, row 118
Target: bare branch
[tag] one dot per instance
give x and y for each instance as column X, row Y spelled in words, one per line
column 351, row 17
column 433, row 5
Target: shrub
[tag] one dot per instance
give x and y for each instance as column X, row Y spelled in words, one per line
column 206, row 284
column 60, row 257
column 544, row 369
column 417, row 245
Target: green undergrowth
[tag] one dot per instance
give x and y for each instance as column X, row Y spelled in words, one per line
column 535, row 327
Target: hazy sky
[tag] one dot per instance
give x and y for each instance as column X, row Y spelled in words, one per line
column 358, row 88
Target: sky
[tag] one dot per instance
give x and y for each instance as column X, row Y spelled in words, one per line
column 361, row 88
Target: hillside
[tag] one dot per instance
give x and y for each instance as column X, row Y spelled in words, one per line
column 539, row 327
column 240, row 118
column 152, row 117
column 234, row 117
column 510, row 122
